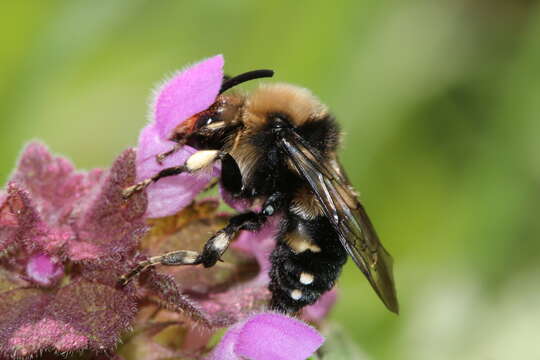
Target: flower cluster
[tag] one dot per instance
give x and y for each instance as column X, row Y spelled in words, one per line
column 67, row 236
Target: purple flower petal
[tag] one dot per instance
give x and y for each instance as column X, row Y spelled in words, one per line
column 268, row 336
column 318, row 311
column 187, row 93
column 168, row 195
column 44, row 269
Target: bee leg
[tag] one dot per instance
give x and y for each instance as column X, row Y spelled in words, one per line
column 163, row 155
column 218, row 244
column 273, row 203
column 199, row 160
column 214, row 248
column 173, row 258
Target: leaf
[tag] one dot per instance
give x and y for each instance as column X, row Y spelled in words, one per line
column 55, row 186
column 64, row 240
column 20, row 223
column 81, row 315
column 107, row 223
column 163, row 288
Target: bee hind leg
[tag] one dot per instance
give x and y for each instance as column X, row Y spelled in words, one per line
column 214, row 248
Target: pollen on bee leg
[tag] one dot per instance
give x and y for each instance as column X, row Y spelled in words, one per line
column 306, row 278
column 201, row 159
column 296, row 294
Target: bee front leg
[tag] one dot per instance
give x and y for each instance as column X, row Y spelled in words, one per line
column 214, row 248
column 164, row 155
column 196, row 162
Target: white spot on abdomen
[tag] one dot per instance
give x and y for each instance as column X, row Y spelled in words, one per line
column 306, row 278
column 296, row 294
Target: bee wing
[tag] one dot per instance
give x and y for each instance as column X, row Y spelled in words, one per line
column 349, row 218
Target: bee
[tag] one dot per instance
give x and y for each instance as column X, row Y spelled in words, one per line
column 278, row 146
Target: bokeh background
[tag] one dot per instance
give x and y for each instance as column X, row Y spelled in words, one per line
column 439, row 102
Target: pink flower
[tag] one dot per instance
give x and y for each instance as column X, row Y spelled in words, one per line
column 44, row 270
column 185, row 94
column 268, row 336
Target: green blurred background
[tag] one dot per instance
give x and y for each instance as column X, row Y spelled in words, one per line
column 439, row 102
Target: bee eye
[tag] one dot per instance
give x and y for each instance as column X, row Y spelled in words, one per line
column 205, row 120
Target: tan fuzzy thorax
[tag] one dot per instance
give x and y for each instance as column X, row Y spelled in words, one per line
column 298, row 103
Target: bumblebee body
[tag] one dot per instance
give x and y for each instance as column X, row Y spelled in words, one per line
column 278, row 149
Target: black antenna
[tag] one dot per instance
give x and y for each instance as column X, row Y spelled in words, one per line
column 250, row 75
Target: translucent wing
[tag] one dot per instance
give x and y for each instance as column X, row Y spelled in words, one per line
column 340, row 204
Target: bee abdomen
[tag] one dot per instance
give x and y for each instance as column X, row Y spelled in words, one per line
column 305, row 264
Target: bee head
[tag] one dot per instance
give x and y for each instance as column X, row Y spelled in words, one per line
column 219, row 119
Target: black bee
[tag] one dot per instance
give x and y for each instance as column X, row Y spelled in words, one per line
column 278, row 146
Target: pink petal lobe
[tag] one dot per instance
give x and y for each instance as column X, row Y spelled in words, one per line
column 188, row 92
column 271, row 336
column 268, row 336
column 168, row 195
column 43, row 269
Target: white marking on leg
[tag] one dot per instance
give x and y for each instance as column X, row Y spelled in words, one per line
column 296, row 294
column 221, row 241
column 306, row 278
column 190, row 257
column 201, row 159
